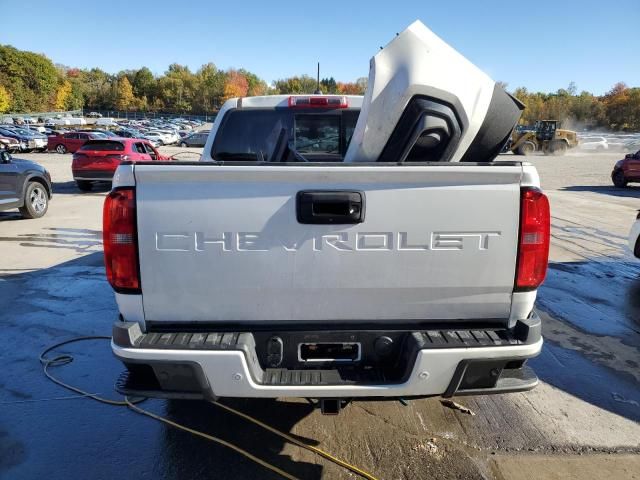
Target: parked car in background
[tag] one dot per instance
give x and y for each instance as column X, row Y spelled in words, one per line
column 7, row 121
column 106, row 133
column 11, row 145
column 127, row 133
column 168, row 136
column 94, row 115
column 106, row 122
column 25, row 185
column 626, row 170
column 593, row 143
column 197, row 139
column 30, row 140
column 34, row 128
column 97, row 160
column 30, row 121
column 70, row 141
column 155, row 137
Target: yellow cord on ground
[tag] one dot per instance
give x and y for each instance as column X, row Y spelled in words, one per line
column 132, row 404
column 297, row 442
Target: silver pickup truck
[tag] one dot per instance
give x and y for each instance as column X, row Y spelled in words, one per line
column 336, row 247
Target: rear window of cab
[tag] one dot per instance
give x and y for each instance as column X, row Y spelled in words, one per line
column 103, row 145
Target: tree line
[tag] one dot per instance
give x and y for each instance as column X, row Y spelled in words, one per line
column 30, row 82
column 616, row 110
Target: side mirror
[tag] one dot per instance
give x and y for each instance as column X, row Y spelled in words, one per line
column 5, row 157
column 629, row 155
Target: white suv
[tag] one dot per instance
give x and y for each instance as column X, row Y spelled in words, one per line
column 594, row 143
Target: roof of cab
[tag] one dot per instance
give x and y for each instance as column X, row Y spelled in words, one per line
column 271, row 101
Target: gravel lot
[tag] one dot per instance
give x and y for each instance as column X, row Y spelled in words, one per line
column 583, row 421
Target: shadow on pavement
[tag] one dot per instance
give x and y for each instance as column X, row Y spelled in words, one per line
column 11, row 215
column 80, row 240
column 47, row 433
column 183, row 457
column 63, row 188
column 577, row 375
column 598, row 299
column 628, row 192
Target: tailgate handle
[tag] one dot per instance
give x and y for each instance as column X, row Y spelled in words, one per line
column 330, row 207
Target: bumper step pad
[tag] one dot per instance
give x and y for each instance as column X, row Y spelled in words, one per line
column 189, row 341
column 230, row 340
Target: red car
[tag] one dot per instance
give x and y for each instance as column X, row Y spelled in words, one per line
column 626, row 170
column 97, row 160
column 9, row 144
column 71, row 141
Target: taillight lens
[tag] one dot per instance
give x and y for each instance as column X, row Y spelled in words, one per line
column 533, row 248
column 319, row 102
column 121, row 240
column 119, row 157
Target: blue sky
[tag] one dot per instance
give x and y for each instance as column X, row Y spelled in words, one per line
column 542, row 44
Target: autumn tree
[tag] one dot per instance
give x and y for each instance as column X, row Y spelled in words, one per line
column 5, row 100
column 328, row 85
column 62, row 94
column 349, row 88
column 144, row 83
column 236, row 85
column 209, row 88
column 301, row 84
column 256, row 86
column 124, row 94
column 30, row 78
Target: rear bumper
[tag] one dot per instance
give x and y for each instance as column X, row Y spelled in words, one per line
column 230, row 367
column 96, row 175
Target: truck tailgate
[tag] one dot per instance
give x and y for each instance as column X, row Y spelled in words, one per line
column 223, row 243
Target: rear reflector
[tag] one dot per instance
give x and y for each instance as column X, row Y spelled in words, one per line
column 120, row 240
column 533, row 248
column 319, row 102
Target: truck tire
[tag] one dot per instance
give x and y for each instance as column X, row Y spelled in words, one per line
column 527, row 148
column 559, row 148
column 84, row 185
column 61, row 148
column 618, row 179
column 36, row 201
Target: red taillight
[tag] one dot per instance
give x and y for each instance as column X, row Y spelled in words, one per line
column 117, row 156
column 319, row 102
column 121, row 240
column 533, row 248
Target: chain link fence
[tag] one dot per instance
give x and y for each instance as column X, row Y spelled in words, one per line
column 5, row 117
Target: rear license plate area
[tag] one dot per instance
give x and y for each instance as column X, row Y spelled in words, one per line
column 343, row 352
